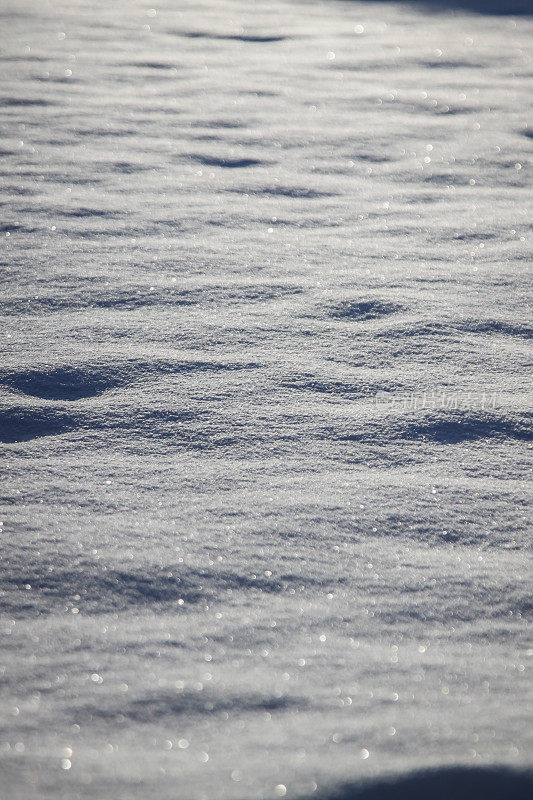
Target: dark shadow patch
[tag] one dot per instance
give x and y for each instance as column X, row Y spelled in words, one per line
column 91, row 212
column 445, row 110
column 61, row 383
column 455, row 328
column 16, row 227
column 128, row 168
column 160, row 65
column 498, row 327
column 218, row 123
column 294, row 192
column 54, row 79
column 447, row 783
column 24, row 58
column 20, row 424
column 445, row 179
column 264, row 293
column 259, row 93
column 487, row 7
column 363, row 66
column 96, row 587
column 443, row 64
column 131, row 300
column 472, row 236
column 68, row 383
column 446, row 427
column 24, row 101
column 232, row 37
column 24, row 424
column 18, row 190
column 101, row 132
column 373, row 158
column 362, row 310
column 154, row 707
column 421, row 329
column 469, row 427
column 228, row 163
column 335, row 388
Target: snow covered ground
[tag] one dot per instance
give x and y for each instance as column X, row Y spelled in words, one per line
column 265, row 400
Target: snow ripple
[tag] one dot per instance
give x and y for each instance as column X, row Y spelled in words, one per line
column 265, row 399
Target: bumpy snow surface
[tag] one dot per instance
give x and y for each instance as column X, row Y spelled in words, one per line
column 264, row 402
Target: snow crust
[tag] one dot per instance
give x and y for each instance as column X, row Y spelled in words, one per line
column 265, row 404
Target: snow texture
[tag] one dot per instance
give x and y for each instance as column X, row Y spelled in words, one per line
column 265, row 404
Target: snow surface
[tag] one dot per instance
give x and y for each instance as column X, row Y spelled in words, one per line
column 266, row 400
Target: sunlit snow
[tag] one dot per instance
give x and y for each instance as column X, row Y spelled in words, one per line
column 265, row 402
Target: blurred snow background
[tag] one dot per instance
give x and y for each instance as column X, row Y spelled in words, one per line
column 265, row 396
